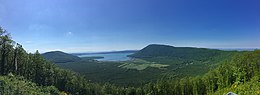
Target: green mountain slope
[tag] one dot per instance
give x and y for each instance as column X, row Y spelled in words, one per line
column 155, row 50
column 240, row 74
column 60, row 57
column 184, row 60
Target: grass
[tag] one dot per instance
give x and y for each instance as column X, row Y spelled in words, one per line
column 140, row 64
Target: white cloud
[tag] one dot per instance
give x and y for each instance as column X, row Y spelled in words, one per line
column 69, row 33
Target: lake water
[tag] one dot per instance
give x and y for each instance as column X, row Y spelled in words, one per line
column 110, row 56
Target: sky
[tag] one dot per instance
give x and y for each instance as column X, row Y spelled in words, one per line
column 109, row 25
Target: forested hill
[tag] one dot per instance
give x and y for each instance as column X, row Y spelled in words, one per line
column 156, row 50
column 60, row 57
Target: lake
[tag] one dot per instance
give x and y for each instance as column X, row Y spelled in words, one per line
column 110, row 56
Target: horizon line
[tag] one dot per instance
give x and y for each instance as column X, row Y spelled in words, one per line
column 107, row 51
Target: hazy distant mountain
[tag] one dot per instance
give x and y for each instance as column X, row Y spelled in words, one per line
column 60, row 57
column 238, row 49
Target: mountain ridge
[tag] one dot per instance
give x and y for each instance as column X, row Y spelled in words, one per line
column 159, row 50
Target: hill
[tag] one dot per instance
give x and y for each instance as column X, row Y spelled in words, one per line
column 156, row 50
column 182, row 57
column 60, row 57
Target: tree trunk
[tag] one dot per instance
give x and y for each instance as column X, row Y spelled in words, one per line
column 15, row 61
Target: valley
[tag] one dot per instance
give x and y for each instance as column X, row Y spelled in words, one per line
column 147, row 66
column 154, row 70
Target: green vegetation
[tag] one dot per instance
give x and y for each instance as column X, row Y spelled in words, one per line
column 236, row 75
column 142, row 70
column 140, row 64
column 155, row 50
column 24, row 73
column 109, row 72
column 60, row 57
column 11, row 85
column 34, row 68
column 239, row 74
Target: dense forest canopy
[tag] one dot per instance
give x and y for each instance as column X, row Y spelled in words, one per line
column 26, row 73
column 163, row 62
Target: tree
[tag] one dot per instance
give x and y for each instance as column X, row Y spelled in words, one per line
column 16, row 50
column 5, row 45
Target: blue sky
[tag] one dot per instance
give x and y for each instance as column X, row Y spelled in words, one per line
column 105, row 25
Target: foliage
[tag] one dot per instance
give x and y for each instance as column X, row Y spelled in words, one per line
column 240, row 75
column 10, row 85
column 109, row 72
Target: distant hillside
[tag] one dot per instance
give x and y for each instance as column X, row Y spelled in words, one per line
column 155, row 50
column 60, row 57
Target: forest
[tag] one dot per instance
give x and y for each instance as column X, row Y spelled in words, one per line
column 150, row 64
column 25, row 73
